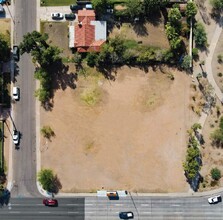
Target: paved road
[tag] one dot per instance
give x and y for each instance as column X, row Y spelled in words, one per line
column 27, row 209
column 24, row 159
column 98, row 208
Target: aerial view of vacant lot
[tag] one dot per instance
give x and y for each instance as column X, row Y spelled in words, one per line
column 132, row 138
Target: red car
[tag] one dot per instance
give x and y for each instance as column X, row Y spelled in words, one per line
column 50, row 202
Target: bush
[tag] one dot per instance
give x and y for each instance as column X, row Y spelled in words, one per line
column 220, row 58
column 195, row 53
column 200, row 35
column 215, row 174
column 186, row 62
column 220, row 74
column 47, row 132
column 46, row 178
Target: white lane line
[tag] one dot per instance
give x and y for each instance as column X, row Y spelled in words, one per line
column 14, row 212
column 145, row 212
column 73, row 204
column 89, row 212
column 175, row 205
column 178, row 212
column 72, row 212
column 144, row 204
column 44, row 212
column 89, row 204
column 118, row 204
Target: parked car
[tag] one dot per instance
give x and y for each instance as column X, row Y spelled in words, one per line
column 15, row 53
column 75, row 7
column 16, row 93
column 70, row 16
column 214, row 199
column 15, row 137
column 57, row 15
column 50, row 202
column 126, row 215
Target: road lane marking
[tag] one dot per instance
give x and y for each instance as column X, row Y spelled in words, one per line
column 145, row 212
column 74, row 204
column 44, row 212
column 14, row 212
column 72, row 212
column 175, row 205
column 144, row 204
column 118, row 204
column 89, row 204
column 89, row 212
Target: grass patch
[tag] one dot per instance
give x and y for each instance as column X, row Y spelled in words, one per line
column 91, row 96
column 130, row 44
column 57, row 2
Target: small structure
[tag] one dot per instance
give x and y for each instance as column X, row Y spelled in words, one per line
column 87, row 34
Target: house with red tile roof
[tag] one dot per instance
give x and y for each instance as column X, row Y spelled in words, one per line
column 87, row 34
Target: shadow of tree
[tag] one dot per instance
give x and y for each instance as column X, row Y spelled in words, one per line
column 56, row 185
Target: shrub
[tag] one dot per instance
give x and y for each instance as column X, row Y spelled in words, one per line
column 215, row 174
column 200, row 35
column 186, row 62
column 47, row 132
column 220, row 58
column 220, row 74
column 195, row 53
column 191, row 9
column 46, row 178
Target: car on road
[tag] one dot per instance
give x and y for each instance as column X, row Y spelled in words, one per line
column 214, row 199
column 70, row 16
column 57, row 15
column 75, row 7
column 15, row 137
column 50, row 202
column 126, row 215
column 15, row 53
column 16, row 93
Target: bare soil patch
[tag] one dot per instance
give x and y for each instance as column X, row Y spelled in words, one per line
column 133, row 137
column 5, row 26
column 211, row 155
column 148, row 34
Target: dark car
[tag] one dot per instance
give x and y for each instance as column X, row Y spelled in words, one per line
column 126, row 215
column 15, row 53
column 50, row 202
column 70, row 16
column 75, row 7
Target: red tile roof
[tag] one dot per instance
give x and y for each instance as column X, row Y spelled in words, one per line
column 85, row 32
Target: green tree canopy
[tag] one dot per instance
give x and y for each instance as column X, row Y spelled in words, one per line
column 186, row 62
column 217, row 4
column 174, row 16
column 200, row 35
column 134, row 8
column 215, row 174
column 46, row 178
column 191, row 10
column 99, row 5
column 152, row 6
column 4, row 48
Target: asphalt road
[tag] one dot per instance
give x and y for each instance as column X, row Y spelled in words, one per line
column 24, row 159
column 98, row 208
column 33, row 209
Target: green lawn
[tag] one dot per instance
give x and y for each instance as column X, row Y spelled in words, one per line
column 57, row 2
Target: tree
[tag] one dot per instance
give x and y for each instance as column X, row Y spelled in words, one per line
column 33, row 41
column 217, row 4
column 196, row 126
column 186, row 62
column 171, row 32
column 191, row 10
column 46, row 178
column 47, row 132
column 217, row 136
column 174, row 17
column 215, row 174
column 92, row 59
column 200, row 35
column 4, row 48
column 134, row 8
column 176, row 43
column 152, row 6
column 99, row 5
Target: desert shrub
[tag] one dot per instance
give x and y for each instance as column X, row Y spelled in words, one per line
column 200, row 35
column 47, row 132
column 220, row 58
column 215, row 174
column 220, row 74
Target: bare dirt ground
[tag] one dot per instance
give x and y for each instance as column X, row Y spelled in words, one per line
column 147, row 33
column 218, row 67
column 132, row 138
column 5, row 25
column 211, row 155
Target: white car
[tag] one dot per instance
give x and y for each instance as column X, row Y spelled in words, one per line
column 57, row 15
column 214, row 199
column 15, row 137
column 16, row 93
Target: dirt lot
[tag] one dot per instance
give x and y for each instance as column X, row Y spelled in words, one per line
column 132, row 137
column 5, row 26
column 211, row 155
column 147, row 34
